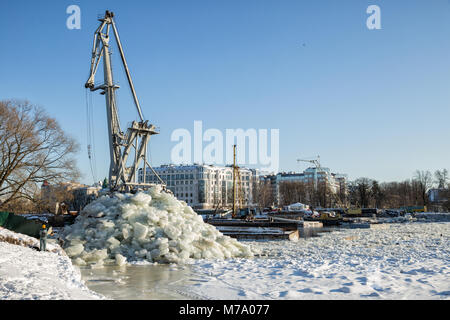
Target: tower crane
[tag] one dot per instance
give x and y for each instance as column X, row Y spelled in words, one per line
column 316, row 162
column 122, row 177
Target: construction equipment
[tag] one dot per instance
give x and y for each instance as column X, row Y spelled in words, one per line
column 122, row 176
column 316, row 162
column 237, row 192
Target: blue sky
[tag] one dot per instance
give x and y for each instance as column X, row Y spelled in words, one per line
column 372, row 103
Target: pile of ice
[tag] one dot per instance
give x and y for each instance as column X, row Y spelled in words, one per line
column 148, row 226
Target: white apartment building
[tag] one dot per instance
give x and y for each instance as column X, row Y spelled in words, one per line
column 205, row 186
column 336, row 182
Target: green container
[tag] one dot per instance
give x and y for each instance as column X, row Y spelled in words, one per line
column 20, row 224
column 3, row 218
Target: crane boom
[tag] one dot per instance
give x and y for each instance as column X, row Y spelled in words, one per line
column 316, row 162
column 121, row 176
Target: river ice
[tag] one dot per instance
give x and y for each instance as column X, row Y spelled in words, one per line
column 392, row 261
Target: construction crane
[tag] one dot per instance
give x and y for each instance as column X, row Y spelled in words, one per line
column 316, row 162
column 122, row 177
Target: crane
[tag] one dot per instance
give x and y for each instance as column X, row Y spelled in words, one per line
column 316, row 162
column 122, row 177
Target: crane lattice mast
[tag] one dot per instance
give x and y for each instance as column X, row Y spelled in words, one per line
column 121, row 176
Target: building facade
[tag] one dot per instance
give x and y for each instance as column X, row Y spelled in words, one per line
column 68, row 196
column 337, row 183
column 438, row 196
column 205, row 186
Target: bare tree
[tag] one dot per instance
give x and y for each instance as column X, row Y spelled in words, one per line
column 324, row 194
column 33, row 148
column 441, row 178
column 342, row 195
column 424, row 181
column 292, row 191
column 376, row 194
column 363, row 191
column 265, row 195
column 411, row 192
column 287, row 193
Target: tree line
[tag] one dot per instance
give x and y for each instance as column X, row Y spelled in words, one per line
column 360, row 193
column 290, row 192
column 365, row 192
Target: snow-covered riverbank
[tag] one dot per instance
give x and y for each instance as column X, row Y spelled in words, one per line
column 28, row 274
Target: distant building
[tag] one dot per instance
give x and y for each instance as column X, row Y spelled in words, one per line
column 337, row 183
column 68, row 196
column 204, row 186
column 83, row 196
column 438, row 196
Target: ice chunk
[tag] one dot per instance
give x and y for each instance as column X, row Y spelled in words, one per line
column 96, row 255
column 172, row 232
column 113, row 242
column 106, row 224
column 140, row 231
column 142, row 199
column 155, row 253
column 79, row 262
column 74, row 250
column 126, row 232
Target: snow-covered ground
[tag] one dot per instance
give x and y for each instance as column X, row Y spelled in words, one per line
column 28, row 274
column 391, row 261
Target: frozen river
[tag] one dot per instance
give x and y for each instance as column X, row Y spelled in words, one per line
column 152, row 282
column 391, row 261
column 139, row 282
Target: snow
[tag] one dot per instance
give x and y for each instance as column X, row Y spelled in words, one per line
column 399, row 261
column 148, row 227
column 408, row 260
column 28, row 274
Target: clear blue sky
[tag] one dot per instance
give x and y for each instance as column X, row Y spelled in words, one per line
column 371, row 103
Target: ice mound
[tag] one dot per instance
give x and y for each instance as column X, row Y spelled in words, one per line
column 148, row 226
